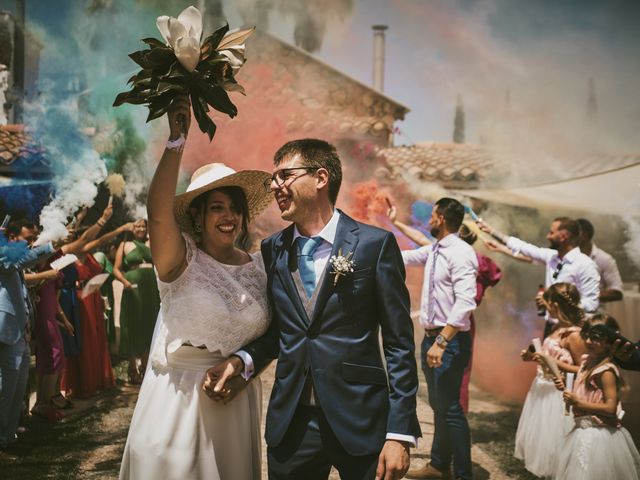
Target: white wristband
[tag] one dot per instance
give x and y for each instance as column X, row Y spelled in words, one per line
column 177, row 144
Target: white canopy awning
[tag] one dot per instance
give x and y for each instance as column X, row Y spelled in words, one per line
column 614, row 191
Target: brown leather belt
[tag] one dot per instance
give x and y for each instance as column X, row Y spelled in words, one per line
column 432, row 332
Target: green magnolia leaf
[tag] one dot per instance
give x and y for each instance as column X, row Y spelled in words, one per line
column 233, row 86
column 140, row 58
column 157, row 110
column 210, row 43
column 165, row 87
column 154, row 42
column 130, row 97
column 163, row 100
column 160, row 58
column 200, row 110
column 144, row 73
column 215, row 96
column 175, row 72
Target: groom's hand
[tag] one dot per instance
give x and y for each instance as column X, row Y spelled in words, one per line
column 217, row 382
column 393, row 461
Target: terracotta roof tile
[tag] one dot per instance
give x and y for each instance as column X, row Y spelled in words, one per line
column 15, row 143
column 451, row 164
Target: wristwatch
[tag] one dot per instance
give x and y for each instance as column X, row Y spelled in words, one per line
column 441, row 341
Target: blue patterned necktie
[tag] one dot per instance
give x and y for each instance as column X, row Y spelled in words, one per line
column 306, row 248
column 431, row 312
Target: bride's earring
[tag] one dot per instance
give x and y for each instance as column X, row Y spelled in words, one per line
column 198, row 228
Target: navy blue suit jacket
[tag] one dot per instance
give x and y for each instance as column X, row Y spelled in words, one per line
column 339, row 345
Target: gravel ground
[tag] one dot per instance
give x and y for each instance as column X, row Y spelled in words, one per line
column 88, row 443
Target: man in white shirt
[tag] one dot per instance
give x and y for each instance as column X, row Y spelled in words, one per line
column 563, row 259
column 610, row 281
column 448, row 298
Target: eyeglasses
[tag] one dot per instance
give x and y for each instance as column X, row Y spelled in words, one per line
column 282, row 176
column 557, row 271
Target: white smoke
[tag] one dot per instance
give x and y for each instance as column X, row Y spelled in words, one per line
column 77, row 167
column 136, row 189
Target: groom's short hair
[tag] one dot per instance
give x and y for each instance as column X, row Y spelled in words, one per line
column 315, row 153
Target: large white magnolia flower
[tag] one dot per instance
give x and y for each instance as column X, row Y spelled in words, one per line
column 183, row 35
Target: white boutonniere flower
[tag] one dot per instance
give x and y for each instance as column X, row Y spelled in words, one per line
column 342, row 265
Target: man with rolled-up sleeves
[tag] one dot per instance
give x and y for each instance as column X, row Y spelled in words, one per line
column 448, row 298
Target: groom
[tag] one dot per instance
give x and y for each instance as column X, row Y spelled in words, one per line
column 335, row 401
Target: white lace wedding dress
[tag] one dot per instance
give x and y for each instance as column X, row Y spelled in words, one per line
column 177, row 432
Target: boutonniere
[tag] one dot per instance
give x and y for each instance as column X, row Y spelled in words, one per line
column 342, row 265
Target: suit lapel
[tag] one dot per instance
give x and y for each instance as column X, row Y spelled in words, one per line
column 284, row 268
column 346, row 241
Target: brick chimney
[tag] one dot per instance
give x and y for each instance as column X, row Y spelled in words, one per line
column 378, row 56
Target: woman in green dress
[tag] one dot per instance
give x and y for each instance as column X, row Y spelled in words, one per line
column 140, row 299
column 106, row 257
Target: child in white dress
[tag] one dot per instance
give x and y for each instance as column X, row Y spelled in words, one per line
column 598, row 448
column 543, row 424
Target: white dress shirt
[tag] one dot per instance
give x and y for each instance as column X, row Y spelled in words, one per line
column 610, row 278
column 454, row 282
column 575, row 267
column 320, row 259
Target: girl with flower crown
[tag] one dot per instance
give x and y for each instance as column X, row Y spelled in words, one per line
column 543, row 424
column 598, row 447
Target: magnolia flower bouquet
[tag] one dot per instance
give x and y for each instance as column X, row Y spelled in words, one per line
column 205, row 71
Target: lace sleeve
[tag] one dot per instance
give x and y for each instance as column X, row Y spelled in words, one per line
column 191, row 247
column 191, row 255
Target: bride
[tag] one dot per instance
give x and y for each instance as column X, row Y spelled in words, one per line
column 213, row 297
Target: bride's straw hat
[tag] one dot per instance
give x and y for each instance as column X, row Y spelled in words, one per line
column 217, row 175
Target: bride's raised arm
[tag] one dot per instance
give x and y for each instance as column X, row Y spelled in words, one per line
column 167, row 245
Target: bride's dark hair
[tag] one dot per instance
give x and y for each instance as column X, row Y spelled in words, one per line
column 238, row 202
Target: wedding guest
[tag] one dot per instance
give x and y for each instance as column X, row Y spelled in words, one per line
column 140, row 299
column 598, row 448
column 48, row 320
column 611, row 287
column 543, row 426
column 106, row 258
column 489, row 275
column 78, row 243
column 563, row 259
column 448, row 299
column 90, row 371
column 14, row 332
column 50, row 357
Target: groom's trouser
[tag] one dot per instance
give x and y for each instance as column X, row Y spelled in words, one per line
column 451, row 438
column 310, row 448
